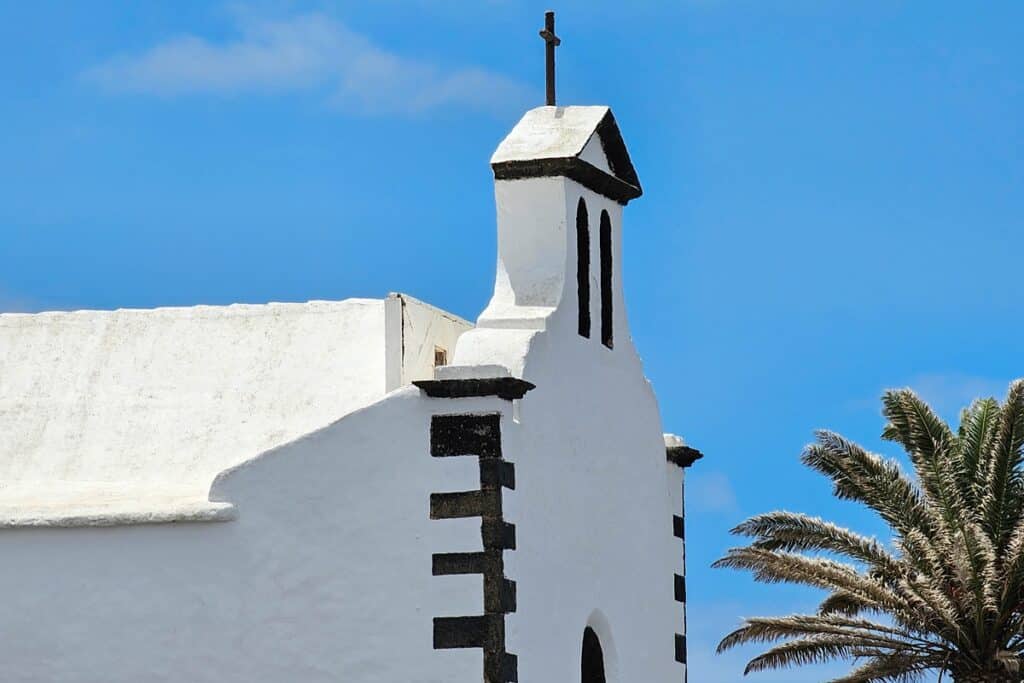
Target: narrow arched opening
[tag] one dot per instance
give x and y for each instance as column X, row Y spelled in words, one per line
column 583, row 267
column 592, row 664
column 607, row 317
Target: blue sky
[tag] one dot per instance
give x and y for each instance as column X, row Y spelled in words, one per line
column 832, row 204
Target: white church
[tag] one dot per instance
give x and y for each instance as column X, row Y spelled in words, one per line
column 359, row 491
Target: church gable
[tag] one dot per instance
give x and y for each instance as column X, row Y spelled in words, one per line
column 514, row 514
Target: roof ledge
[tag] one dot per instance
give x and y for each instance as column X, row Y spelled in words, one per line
column 678, row 453
column 72, row 514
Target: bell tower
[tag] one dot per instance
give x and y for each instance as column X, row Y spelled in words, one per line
column 561, row 179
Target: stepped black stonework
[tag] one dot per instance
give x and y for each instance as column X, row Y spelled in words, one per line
column 682, row 457
column 477, row 434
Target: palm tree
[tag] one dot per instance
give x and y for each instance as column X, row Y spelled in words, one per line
column 948, row 595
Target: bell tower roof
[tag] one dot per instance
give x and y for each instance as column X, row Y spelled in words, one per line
column 581, row 143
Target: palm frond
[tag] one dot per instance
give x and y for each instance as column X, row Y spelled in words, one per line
column 844, row 604
column 1002, row 493
column 888, row 669
column 815, row 649
column 947, row 595
column 791, row 531
column 869, row 633
column 977, row 431
column 770, row 566
column 866, row 478
column 930, row 444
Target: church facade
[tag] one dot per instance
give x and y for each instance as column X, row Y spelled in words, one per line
column 365, row 490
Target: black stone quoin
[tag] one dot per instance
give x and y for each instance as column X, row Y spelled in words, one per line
column 477, row 435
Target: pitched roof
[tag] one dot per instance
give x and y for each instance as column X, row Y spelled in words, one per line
column 557, row 141
column 134, row 412
column 127, row 416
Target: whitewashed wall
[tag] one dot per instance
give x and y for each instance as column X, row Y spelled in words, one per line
column 593, row 505
column 325, row 576
column 167, row 398
column 326, row 573
column 119, row 409
column 415, row 330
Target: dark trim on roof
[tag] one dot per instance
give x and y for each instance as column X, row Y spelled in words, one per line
column 508, row 388
column 583, row 172
column 621, row 185
column 683, row 456
column 615, row 149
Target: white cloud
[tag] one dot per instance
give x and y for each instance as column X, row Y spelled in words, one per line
column 710, row 492
column 311, row 52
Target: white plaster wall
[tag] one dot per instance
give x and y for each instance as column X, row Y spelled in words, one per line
column 324, row 577
column 594, row 523
column 675, row 477
column 593, row 153
column 593, row 505
column 531, row 253
column 425, row 327
column 155, row 401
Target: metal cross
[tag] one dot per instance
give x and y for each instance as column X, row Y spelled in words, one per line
column 551, row 42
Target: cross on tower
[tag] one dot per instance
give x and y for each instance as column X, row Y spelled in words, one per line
column 551, row 42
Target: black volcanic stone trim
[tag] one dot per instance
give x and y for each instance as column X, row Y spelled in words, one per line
column 585, row 173
column 678, row 527
column 680, row 588
column 489, row 562
column 607, row 293
column 499, row 595
column 453, row 435
column 453, row 633
column 497, row 474
column 465, row 504
column 479, row 435
column 500, row 667
column 615, row 150
column 683, row 456
column 498, row 534
column 508, row 388
column 448, row 564
column 582, row 269
column 621, row 185
column 681, row 649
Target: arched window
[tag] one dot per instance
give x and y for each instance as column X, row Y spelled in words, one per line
column 583, row 267
column 592, row 666
column 606, row 280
